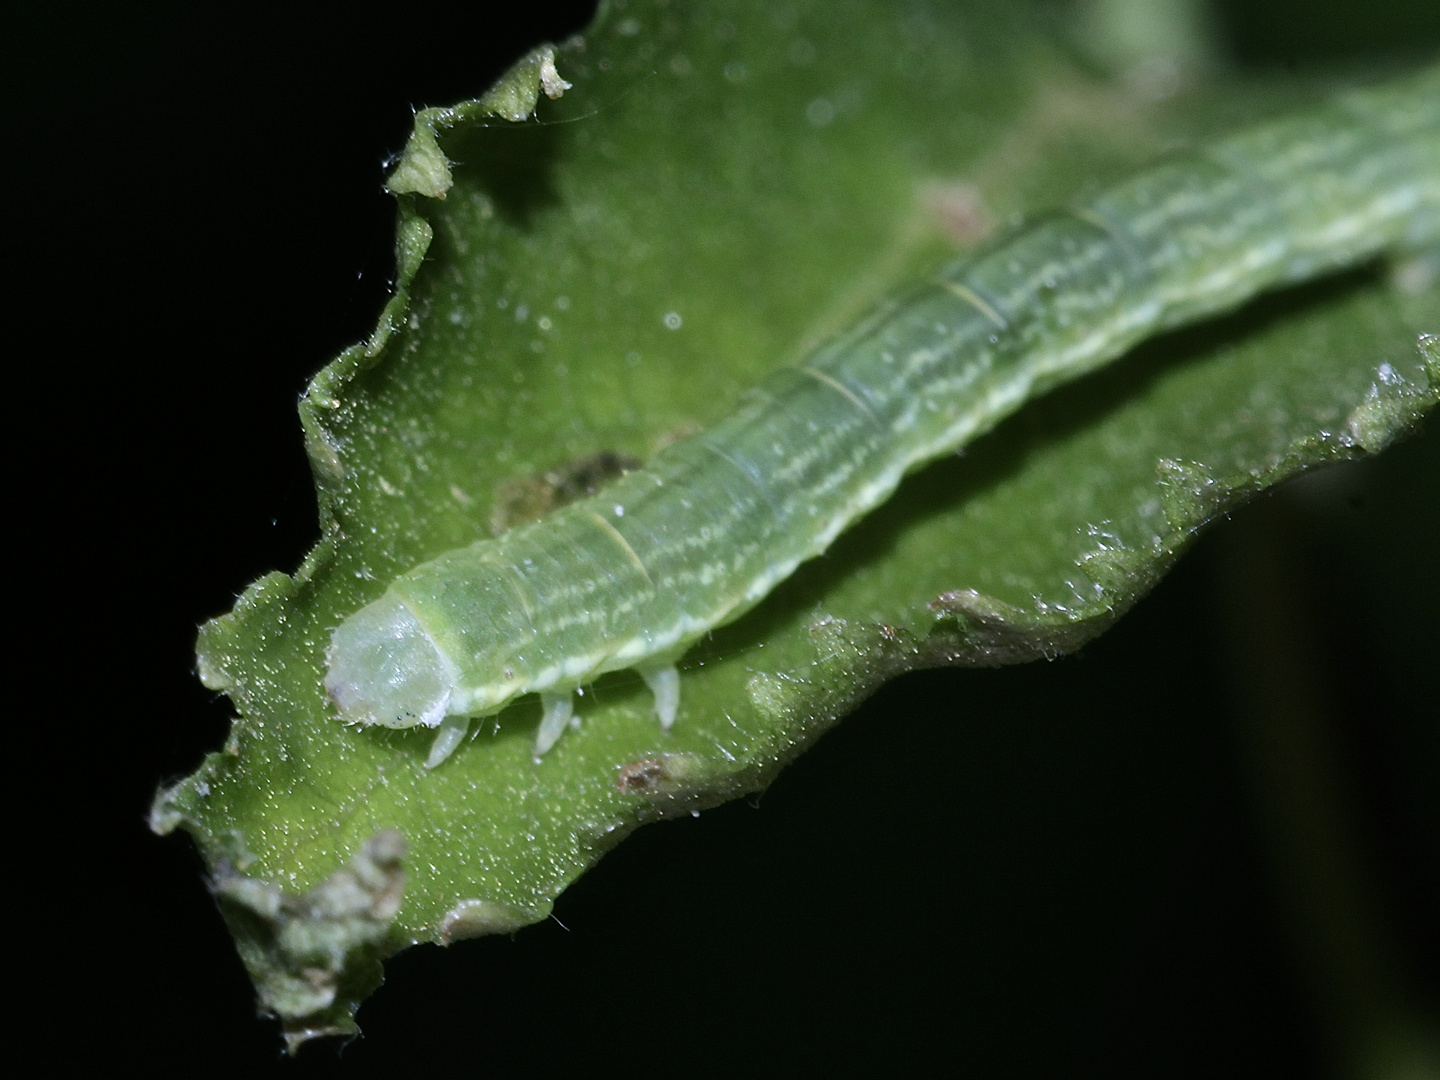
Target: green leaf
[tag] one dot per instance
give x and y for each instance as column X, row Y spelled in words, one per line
column 712, row 192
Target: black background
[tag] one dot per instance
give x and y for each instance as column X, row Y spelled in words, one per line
column 1053, row 869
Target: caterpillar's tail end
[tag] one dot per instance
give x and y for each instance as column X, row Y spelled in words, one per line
column 386, row 669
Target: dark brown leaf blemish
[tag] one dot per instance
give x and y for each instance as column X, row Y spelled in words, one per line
column 530, row 498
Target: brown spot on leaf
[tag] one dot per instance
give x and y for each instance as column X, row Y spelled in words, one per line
column 960, row 211
column 641, row 777
column 530, row 498
column 670, row 779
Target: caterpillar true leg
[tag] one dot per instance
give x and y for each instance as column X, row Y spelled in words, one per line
column 664, row 682
column 451, row 734
column 559, row 708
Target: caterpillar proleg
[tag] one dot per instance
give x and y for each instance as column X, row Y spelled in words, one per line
column 632, row 576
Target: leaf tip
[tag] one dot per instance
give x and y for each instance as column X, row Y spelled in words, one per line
column 517, row 93
column 1394, row 403
column 165, row 817
column 423, row 168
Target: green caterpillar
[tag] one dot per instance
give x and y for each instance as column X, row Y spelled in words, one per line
column 632, row 576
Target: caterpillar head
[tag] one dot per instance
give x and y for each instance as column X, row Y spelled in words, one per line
column 386, row 669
